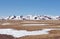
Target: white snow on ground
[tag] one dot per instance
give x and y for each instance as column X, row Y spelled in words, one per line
column 26, row 24
column 6, row 24
column 21, row 33
column 34, row 24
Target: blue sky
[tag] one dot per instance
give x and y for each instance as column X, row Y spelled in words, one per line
column 29, row 7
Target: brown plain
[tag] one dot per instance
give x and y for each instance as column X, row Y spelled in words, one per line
column 18, row 25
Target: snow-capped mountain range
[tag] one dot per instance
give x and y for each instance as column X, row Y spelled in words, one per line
column 30, row 17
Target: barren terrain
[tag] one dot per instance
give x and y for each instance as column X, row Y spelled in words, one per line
column 29, row 26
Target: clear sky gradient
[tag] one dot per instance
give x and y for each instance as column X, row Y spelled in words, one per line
column 29, row 7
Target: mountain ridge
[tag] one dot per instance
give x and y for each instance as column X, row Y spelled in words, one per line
column 30, row 17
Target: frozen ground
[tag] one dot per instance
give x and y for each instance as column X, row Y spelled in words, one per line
column 25, row 24
column 21, row 33
column 6, row 24
column 34, row 24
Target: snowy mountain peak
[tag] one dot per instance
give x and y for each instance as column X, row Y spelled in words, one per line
column 30, row 17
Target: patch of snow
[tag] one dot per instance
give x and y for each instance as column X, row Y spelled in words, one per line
column 5, row 24
column 34, row 24
column 21, row 33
